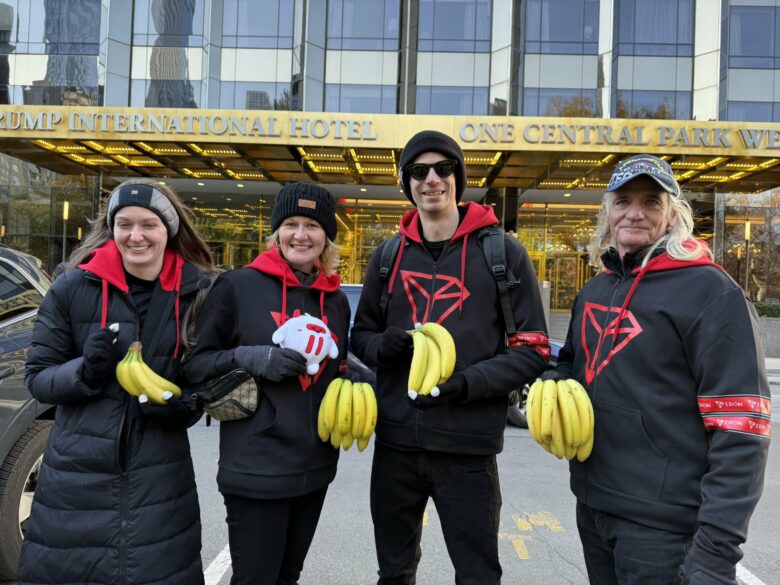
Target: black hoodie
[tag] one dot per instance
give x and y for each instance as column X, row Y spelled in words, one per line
column 275, row 453
column 673, row 363
column 459, row 292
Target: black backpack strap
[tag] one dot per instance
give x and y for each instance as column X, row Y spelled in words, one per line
column 386, row 261
column 493, row 246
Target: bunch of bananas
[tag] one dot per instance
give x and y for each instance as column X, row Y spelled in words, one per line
column 560, row 418
column 138, row 379
column 433, row 359
column 347, row 414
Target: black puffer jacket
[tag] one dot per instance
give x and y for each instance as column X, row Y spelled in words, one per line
column 116, row 501
column 275, row 453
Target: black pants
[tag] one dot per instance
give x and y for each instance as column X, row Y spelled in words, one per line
column 269, row 539
column 467, row 495
column 621, row 552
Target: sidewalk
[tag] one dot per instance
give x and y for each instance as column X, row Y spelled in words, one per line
column 773, row 370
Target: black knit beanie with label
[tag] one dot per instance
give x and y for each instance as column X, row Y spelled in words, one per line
column 432, row 141
column 309, row 200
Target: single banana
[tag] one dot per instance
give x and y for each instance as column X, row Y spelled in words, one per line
column 358, row 409
column 322, row 431
column 371, row 411
column 558, row 443
column 335, row 438
column 330, row 402
column 362, row 443
column 123, row 373
column 143, row 383
column 533, row 414
column 570, row 452
column 570, row 418
column 156, row 379
column 419, row 360
column 549, row 408
column 446, row 346
column 344, row 411
column 347, row 440
column 433, row 373
column 584, row 410
column 583, row 451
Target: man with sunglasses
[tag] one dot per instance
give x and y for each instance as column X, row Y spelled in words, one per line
column 444, row 445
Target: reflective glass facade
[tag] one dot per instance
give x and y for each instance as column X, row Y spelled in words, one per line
column 565, row 58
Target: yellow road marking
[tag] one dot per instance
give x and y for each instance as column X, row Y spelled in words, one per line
column 518, row 542
column 528, row 523
column 522, row 524
column 425, row 518
column 546, row 519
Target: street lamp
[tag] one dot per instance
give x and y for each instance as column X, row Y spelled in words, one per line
column 65, row 207
column 747, row 255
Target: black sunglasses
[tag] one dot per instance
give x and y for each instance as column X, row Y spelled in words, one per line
column 443, row 168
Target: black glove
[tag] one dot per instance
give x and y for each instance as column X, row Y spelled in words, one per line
column 100, row 358
column 550, row 375
column 269, row 362
column 394, row 343
column 453, row 390
column 176, row 413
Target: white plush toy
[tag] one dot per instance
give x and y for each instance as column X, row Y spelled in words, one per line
column 310, row 337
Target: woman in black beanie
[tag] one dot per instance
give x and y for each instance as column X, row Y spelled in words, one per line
column 273, row 469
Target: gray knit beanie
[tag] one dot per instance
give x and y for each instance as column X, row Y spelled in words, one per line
column 309, row 200
column 432, row 141
column 146, row 196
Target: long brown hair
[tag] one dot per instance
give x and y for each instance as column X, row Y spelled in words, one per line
column 187, row 242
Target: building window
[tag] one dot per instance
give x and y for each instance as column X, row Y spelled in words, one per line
column 363, row 25
column 654, row 27
column 753, row 41
column 452, row 100
column 562, row 27
column 666, row 105
column 242, row 95
column 169, row 24
column 258, row 24
column 455, row 25
column 560, row 102
column 753, row 111
column 364, row 99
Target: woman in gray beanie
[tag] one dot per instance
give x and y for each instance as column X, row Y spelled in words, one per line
column 274, row 471
column 116, row 493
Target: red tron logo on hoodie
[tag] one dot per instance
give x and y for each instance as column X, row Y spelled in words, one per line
column 621, row 335
column 417, row 286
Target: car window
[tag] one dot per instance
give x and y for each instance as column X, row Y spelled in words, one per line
column 17, row 294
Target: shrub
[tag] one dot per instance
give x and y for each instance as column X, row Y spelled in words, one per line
column 767, row 310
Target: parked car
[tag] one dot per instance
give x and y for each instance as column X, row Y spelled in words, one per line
column 25, row 423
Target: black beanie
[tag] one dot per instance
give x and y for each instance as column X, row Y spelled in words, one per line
column 432, row 141
column 309, row 200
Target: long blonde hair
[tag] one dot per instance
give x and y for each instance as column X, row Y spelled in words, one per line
column 678, row 238
column 329, row 260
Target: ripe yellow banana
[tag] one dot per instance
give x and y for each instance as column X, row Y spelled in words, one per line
column 347, row 440
column 549, row 408
column 419, row 360
column 322, row 431
column 583, row 451
column 329, row 404
column 558, row 444
column 362, row 443
column 335, row 438
column 570, row 418
column 533, row 411
column 358, row 409
column 156, row 379
column 344, row 411
column 584, row 410
column 371, row 412
column 433, row 372
column 123, row 372
column 446, row 347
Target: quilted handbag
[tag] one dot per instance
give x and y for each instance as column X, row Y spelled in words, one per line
column 232, row 396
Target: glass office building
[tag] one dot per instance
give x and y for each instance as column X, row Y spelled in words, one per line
column 701, row 62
